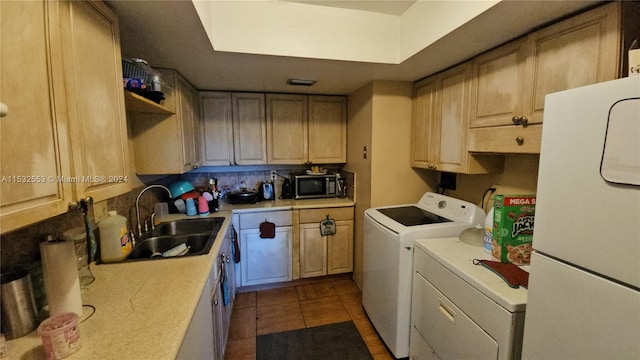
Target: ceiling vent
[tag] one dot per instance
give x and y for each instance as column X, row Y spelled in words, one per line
column 301, row 82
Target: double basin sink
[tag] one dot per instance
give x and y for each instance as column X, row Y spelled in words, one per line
column 167, row 239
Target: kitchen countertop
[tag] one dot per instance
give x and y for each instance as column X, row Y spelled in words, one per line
column 131, row 298
column 135, row 316
column 286, row 204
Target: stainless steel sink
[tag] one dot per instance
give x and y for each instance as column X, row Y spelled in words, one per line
column 153, row 247
column 189, row 226
column 196, row 234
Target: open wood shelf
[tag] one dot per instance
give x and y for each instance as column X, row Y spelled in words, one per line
column 138, row 104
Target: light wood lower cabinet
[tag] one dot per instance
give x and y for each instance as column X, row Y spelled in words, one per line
column 325, row 254
column 64, row 136
column 208, row 331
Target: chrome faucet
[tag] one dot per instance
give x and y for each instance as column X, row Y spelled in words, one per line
column 138, row 206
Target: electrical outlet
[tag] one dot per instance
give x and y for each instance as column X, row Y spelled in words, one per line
column 273, row 175
column 100, row 210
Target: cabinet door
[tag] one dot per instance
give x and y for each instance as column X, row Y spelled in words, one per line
column 425, row 128
column 187, row 123
column 499, row 83
column 287, row 129
column 454, row 119
column 199, row 340
column 217, row 128
column 340, row 249
column 34, row 149
column 99, row 141
column 249, row 129
column 313, row 251
column 266, row 260
column 580, row 51
column 327, row 129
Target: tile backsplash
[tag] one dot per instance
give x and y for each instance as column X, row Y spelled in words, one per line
column 22, row 246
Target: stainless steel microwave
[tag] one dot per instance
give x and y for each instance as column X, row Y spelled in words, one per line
column 314, row 186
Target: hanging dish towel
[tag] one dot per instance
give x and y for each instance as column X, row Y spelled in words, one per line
column 267, row 230
column 510, row 273
column 224, row 286
column 327, row 226
column 236, row 248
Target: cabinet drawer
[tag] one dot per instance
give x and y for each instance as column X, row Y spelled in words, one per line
column 317, row 215
column 505, row 139
column 253, row 220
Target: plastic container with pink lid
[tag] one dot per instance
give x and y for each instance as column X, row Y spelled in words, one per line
column 60, row 335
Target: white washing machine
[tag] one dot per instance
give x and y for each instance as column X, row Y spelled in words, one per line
column 389, row 236
column 461, row 310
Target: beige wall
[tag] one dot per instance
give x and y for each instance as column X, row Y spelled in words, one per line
column 379, row 117
column 393, row 179
column 520, row 175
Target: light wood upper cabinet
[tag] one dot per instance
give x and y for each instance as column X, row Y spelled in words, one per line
column 306, row 129
column 217, row 128
column 499, row 85
column 511, row 82
column 34, row 151
column 327, row 129
column 287, row 129
column 98, row 121
column 233, row 128
column 249, row 129
column 168, row 143
column 579, row 51
column 441, row 119
column 425, row 130
column 454, row 119
column 66, row 139
column 191, row 130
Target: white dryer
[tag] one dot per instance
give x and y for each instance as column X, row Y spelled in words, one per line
column 461, row 310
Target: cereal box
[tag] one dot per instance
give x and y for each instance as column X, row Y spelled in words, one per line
column 513, row 228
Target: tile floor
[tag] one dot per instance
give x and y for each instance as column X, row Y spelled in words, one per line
column 294, row 307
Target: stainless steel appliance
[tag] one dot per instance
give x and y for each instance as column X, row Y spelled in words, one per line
column 584, row 287
column 389, row 236
column 311, row 186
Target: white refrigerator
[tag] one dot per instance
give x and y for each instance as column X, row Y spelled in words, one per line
column 584, row 286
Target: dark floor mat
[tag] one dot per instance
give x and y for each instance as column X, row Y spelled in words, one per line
column 335, row 341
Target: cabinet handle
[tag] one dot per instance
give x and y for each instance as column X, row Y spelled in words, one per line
column 4, row 110
column 520, row 120
column 520, row 140
column 447, row 311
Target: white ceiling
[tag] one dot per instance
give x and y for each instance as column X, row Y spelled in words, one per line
column 170, row 34
column 394, row 7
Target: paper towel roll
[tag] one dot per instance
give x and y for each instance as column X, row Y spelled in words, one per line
column 61, row 277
